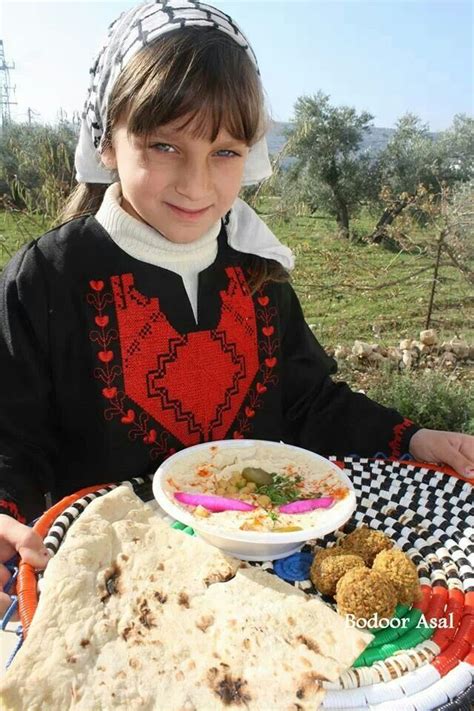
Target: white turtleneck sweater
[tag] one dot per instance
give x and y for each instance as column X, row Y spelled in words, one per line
column 142, row 242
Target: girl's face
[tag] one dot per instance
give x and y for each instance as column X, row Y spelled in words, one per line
column 178, row 184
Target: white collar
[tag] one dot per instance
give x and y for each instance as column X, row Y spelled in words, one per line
column 246, row 232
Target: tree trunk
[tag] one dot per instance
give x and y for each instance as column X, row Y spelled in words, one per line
column 434, row 283
column 342, row 217
column 388, row 216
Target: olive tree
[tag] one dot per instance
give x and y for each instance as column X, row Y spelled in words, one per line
column 329, row 169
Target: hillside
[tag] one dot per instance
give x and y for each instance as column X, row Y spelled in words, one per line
column 374, row 141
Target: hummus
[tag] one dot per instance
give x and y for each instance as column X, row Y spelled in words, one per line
column 205, row 471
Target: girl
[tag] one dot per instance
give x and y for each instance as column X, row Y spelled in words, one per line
column 159, row 314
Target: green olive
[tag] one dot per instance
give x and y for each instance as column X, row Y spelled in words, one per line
column 258, row 476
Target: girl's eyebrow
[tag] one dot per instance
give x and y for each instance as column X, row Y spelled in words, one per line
column 176, row 134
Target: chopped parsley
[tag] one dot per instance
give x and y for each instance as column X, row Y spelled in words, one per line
column 282, row 490
column 274, row 516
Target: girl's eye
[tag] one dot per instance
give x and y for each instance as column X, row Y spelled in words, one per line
column 167, row 148
column 162, row 147
column 230, row 154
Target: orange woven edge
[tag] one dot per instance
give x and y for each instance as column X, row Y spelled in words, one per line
column 26, row 582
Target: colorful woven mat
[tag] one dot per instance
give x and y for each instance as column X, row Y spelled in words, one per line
column 425, row 658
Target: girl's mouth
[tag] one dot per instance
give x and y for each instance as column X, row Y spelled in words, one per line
column 187, row 214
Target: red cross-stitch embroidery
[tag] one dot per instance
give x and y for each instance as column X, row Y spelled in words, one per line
column 193, row 385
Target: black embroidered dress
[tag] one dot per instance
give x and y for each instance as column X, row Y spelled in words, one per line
column 104, row 371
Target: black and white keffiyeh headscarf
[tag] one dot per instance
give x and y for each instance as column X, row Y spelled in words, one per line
column 133, row 30
column 127, row 35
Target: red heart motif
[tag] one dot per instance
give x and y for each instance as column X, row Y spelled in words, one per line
column 150, row 437
column 249, row 412
column 263, row 300
column 238, row 435
column 96, row 285
column 267, row 330
column 102, row 321
column 270, row 362
column 109, row 393
column 128, row 418
column 106, row 356
column 261, row 388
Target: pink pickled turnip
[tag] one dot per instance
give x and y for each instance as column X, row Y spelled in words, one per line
column 215, row 504
column 305, row 505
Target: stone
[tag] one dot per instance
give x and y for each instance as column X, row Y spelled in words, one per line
column 429, row 337
column 394, row 353
column 460, row 348
column 376, row 358
column 448, row 360
column 405, row 344
column 341, row 352
column 361, row 349
column 407, row 358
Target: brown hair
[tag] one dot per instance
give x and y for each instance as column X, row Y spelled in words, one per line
column 198, row 74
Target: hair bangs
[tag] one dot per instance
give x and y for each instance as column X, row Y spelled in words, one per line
column 200, row 80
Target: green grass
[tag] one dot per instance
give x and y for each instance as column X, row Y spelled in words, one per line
column 345, row 288
column 348, row 289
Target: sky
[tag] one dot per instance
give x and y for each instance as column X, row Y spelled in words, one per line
column 382, row 56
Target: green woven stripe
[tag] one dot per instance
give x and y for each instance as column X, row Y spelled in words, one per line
column 390, row 634
column 405, row 639
column 182, row 527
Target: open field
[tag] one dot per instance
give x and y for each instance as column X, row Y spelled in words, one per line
column 348, row 290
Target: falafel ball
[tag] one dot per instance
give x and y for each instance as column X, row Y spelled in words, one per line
column 324, row 553
column 397, row 567
column 326, row 574
column 362, row 592
column 367, row 543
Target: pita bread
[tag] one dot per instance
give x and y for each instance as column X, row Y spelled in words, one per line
column 135, row 615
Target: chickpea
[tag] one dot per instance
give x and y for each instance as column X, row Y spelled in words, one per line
column 220, row 491
column 251, row 486
column 263, row 500
column 201, row 511
column 241, row 485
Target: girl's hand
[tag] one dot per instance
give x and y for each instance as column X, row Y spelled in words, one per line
column 15, row 538
column 451, row 448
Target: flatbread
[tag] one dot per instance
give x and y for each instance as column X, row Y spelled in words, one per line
column 135, row 615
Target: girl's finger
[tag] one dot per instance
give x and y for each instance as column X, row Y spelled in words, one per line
column 460, row 463
column 15, row 536
column 37, row 558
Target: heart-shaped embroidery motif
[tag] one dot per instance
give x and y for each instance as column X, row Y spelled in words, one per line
column 102, row 321
column 268, row 330
column 263, row 300
column 109, row 393
column 261, row 388
column 150, row 437
column 96, row 285
column 106, row 356
column 128, row 418
column 270, row 362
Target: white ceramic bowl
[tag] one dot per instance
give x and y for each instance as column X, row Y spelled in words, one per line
column 253, row 545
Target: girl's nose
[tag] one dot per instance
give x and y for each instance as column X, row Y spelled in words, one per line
column 193, row 181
